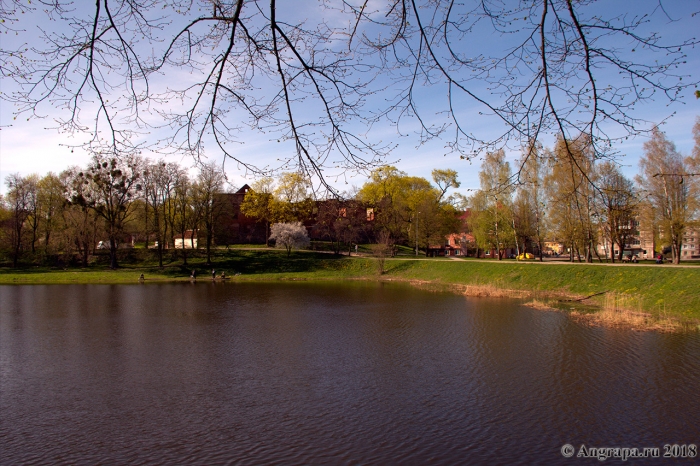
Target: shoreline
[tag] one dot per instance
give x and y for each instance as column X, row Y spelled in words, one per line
column 594, row 316
column 663, row 299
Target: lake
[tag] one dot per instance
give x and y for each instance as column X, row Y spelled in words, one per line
column 320, row 373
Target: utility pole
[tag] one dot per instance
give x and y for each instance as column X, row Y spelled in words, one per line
column 417, row 233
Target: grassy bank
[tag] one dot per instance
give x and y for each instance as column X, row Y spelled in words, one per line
column 658, row 291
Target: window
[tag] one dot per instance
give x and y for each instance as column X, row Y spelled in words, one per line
column 370, row 214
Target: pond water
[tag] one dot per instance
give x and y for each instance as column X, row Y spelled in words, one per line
column 302, row 373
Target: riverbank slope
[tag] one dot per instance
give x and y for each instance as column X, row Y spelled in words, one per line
column 659, row 291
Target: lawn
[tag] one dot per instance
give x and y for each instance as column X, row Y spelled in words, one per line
column 649, row 288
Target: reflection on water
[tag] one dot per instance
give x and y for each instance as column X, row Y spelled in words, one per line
column 325, row 373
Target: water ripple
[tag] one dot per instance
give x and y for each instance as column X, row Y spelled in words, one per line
column 324, row 374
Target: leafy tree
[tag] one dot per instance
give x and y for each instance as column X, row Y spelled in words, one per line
column 289, row 236
column 571, row 194
column 409, row 208
column 672, row 193
column 444, row 180
column 259, row 203
column 52, row 201
column 292, row 198
column 492, row 215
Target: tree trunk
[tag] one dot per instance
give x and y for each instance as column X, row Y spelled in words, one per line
column 208, row 248
column 184, row 249
column 113, row 252
column 85, row 253
column 15, row 256
column 676, row 250
column 46, row 241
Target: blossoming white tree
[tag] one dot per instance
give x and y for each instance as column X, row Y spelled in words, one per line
column 289, row 235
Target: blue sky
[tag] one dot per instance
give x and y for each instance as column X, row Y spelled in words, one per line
column 32, row 147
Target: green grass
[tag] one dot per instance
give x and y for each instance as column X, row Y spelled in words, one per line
column 656, row 289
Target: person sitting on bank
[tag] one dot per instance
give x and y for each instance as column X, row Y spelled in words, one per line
column 223, row 275
column 141, row 278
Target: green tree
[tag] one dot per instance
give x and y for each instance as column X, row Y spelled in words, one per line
column 444, row 180
column 292, row 198
column 52, row 201
column 571, row 193
column 409, row 208
column 492, row 206
column 259, row 203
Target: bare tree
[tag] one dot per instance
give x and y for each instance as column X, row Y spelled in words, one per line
column 564, row 67
column 31, row 185
column 183, row 210
column 618, row 202
column 209, row 184
column 18, row 199
column 82, row 222
column 673, row 194
column 159, row 182
column 532, row 193
column 113, row 184
column 383, row 248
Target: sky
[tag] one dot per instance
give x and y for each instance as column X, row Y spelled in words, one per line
column 32, row 146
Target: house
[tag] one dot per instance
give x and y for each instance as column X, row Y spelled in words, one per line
column 232, row 226
column 190, row 240
column 691, row 244
column 553, row 248
column 456, row 244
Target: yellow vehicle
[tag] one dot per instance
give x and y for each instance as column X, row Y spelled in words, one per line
column 525, row 256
